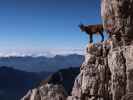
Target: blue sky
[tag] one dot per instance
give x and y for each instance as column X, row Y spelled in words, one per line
column 46, row 24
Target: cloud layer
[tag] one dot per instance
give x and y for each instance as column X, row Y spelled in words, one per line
column 45, row 52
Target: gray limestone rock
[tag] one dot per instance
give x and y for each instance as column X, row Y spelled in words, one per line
column 46, row 92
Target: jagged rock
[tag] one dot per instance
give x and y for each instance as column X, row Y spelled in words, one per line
column 65, row 77
column 128, row 97
column 93, row 81
column 117, row 65
column 46, row 92
column 119, row 14
column 107, row 77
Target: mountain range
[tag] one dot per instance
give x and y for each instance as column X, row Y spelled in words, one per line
column 40, row 63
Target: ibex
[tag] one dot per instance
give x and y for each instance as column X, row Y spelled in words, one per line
column 94, row 29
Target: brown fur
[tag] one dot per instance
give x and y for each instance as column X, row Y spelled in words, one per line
column 93, row 29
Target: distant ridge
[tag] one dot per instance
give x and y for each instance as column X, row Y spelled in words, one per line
column 40, row 63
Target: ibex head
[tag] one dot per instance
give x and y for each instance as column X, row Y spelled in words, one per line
column 82, row 27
